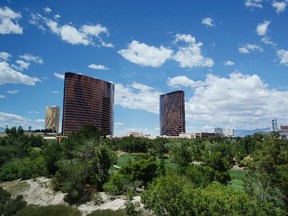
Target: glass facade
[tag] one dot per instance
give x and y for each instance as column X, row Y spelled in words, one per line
column 172, row 113
column 87, row 101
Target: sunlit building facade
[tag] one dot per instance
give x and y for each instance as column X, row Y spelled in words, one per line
column 172, row 113
column 87, row 101
column 52, row 118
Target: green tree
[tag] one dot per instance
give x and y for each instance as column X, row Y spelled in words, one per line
column 99, row 166
column 141, row 170
column 167, row 195
column 182, row 155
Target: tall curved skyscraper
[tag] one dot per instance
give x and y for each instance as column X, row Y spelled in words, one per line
column 87, row 101
column 172, row 113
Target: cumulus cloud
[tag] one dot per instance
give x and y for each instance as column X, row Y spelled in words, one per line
column 262, row 28
column 97, row 67
column 118, row 124
column 13, row 91
column 40, row 120
column 253, row 3
column 47, row 10
column 249, row 47
column 208, row 22
column 59, row 76
column 11, row 119
column 142, row 54
column 229, row 63
column 280, row 6
column 31, row 58
column 5, row 56
column 84, row 35
column 190, row 54
column 21, row 65
column 267, row 40
column 137, row 96
column 179, row 81
column 9, row 21
column 9, row 75
column 57, row 16
column 283, row 56
column 238, row 101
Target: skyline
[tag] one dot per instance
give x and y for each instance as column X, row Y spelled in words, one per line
column 229, row 57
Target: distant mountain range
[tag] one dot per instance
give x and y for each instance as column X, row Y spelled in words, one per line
column 242, row 132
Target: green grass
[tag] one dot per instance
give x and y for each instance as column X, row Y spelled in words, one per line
column 53, row 210
column 237, row 179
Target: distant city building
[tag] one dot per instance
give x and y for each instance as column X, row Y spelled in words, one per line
column 87, row 101
column 274, row 125
column 195, row 135
column 136, row 134
column 229, row 132
column 284, row 130
column 52, row 118
column 284, row 127
column 172, row 113
column 218, row 131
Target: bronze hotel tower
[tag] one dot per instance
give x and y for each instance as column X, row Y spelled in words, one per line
column 87, row 101
column 172, row 113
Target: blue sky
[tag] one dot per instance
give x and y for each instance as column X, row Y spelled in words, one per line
column 230, row 58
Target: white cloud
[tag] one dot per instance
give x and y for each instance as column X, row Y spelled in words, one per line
column 10, row 120
column 55, row 92
column 33, row 112
column 84, row 35
column 2, row 96
column 141, row 87
column 31, row 58
column 71, row 35
column 97, row 67
column 253, row 3
column 208, row 22
column 13, row 91
column 59, row 76
column 57, row 16
column 94, row 30
column 40, row 120
column 283, row 56
column 239, row 101
column 179, row 81
column 229, row 63
column 267, row 40
column 47, row 10
column 9, row 75
column 142, row 54
column 118, row 124
column 5, row 56
column 190, row 55
column 280, row 6
column 137, row 96
column 22, row 65
column 262, row 28
column 249, row 47
column 9, row 21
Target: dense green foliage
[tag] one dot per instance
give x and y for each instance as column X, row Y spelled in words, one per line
column 8, row 206
column 180, row 176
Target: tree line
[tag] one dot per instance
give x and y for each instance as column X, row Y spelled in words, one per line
column 198, row 184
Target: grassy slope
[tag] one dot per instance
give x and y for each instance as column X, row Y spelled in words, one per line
column 237, row 176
